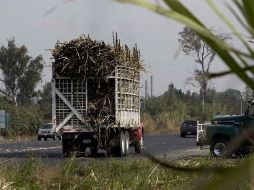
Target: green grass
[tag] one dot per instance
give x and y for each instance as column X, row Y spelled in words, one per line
column 109, row 174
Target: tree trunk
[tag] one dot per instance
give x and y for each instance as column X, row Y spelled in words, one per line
column 203, row 101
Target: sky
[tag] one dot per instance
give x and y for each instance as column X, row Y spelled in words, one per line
column 156, row 36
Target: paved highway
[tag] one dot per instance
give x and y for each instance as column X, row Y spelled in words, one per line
column 50, row 151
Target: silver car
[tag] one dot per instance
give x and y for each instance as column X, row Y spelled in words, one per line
column 46, row 131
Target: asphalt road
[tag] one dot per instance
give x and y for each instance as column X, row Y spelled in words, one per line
column 50, row 151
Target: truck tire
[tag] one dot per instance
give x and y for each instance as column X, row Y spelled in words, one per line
column 218, row 147
column 66, row 154
column 138, row 145
column 119, row 150
column 39, row 138
column 94, row 147
column 67, row 147
column 182, row 135
column 127, row 142
column 93, row 151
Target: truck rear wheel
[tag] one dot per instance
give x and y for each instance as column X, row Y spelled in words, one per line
column 138, row 145
column 119, row 150
column 67, row 147
column 127, row 142
column 94, row 147
column 93, row 151
column 219, row 147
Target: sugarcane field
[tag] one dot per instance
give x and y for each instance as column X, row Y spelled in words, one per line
column 124, row 94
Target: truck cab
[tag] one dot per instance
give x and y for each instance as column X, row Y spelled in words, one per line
column 230, row 134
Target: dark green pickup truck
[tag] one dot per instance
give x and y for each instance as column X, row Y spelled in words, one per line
column 229, row 132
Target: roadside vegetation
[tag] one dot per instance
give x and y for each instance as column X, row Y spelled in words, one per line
column 25, row 119
column 20, row 76
column 111, row 174
column 165, row 113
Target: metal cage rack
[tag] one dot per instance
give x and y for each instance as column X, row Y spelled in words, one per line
column 70, row 99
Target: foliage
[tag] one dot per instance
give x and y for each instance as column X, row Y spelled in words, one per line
column 45, row 104
column 100, row 174
column 168, row 110
column 248, row 94
column 25, row 119
column 20, row 73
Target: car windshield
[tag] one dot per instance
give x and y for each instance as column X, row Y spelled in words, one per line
column 47, row 126
column 190, row 122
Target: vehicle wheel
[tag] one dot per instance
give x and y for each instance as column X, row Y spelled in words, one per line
column 93, row 150
column 120, row 149
column 54, row 137
column 59, row 137
column 182, row 135
column 138, row 145
column 67, row 147
column 45, row 139
column 127, row 142
column 94, row 147
column 39, row 138
column 218, row 147
column 66, row 154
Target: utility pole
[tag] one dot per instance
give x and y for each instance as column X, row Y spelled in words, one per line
column 146, row 89
column 151, row 85
column 241, row 107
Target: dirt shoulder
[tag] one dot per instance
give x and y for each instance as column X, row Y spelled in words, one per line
column 188, row 153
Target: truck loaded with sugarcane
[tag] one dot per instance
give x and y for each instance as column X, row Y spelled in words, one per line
column 96, row 96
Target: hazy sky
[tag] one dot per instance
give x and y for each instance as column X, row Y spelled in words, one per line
column 155, row 35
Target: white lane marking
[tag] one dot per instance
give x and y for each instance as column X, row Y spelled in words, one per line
column 27, row 149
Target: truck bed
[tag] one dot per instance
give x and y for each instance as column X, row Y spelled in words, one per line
column 89, row 102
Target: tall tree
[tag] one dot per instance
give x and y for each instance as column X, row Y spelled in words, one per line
column 248, row 94
column 45, row 102
column 20, row 73
column 204, row 56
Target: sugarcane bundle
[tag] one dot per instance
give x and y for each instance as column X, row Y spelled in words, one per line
column 86, row 57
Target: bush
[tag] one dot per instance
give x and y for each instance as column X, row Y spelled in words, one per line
column 162, row 122
column 24, row 119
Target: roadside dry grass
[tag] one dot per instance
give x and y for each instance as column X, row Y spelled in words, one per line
column 161, row 125
column 14, row 139
column 110, row 174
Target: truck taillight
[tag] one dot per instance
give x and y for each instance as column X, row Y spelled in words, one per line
column 139, row 133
